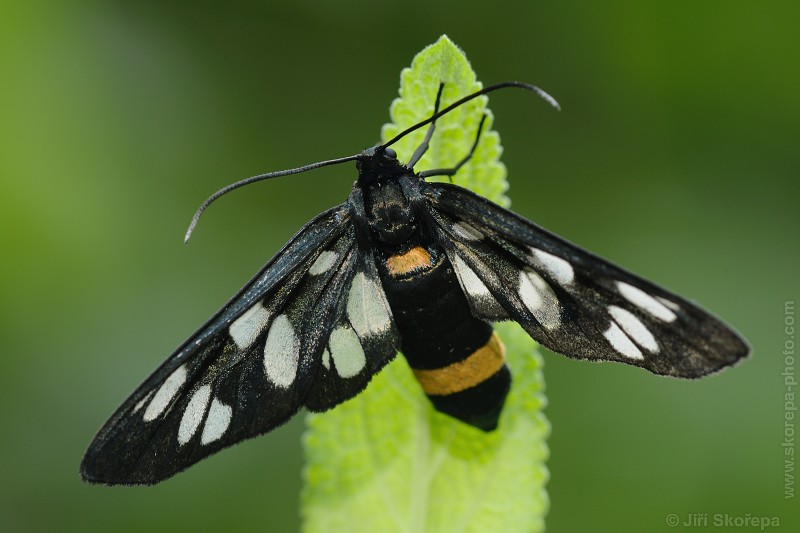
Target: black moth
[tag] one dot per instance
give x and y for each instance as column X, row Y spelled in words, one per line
column 405, row 265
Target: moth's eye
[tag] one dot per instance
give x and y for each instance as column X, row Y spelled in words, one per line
column 391, row 154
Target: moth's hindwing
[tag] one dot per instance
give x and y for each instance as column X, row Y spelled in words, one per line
column 363, row 337
column 569, row 300
column 248, row 370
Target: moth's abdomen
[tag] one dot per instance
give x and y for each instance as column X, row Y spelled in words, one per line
column 472, row 390
column 458, row 360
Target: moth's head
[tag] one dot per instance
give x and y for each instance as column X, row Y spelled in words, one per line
column 378, row 163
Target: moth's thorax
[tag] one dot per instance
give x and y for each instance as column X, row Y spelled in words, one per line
column 389, row 213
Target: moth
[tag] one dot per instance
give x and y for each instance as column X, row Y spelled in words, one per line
column 403, row 264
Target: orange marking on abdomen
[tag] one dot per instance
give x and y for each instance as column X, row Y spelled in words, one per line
column 414, row 259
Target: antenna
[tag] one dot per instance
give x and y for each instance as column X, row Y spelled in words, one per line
column 380, row 148
column 260, row 177
column 506, row 84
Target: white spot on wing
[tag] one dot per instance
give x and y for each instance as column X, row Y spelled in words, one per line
column 470, row 281
column 367, row 307
column 143, row 401
column 644, row 301
column 246, row 329
column 347, row 353
column 540, row 299
column 637, row 331
column 217, row 422
column 467, row 232
column 193, row 414
column 323, row 263
column 281, row 352
column 326, row 359
column 164, row 394
column 476, row 290
column 559, row 268
column 671, row 305
column 622, row 343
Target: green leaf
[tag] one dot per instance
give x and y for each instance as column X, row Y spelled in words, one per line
column 386, row 461
column 455, row 132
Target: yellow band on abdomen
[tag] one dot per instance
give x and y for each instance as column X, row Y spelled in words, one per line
column 482, row 364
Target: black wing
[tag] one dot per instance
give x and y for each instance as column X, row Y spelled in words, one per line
column 569, row 300
column 288, row 333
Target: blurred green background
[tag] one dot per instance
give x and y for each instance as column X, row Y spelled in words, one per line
column 676, row 155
